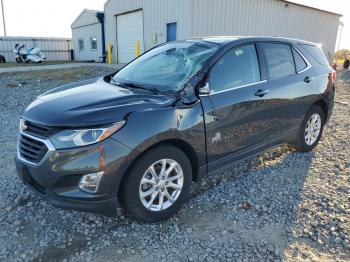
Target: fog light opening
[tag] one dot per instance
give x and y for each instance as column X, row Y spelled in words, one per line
column 90, row 182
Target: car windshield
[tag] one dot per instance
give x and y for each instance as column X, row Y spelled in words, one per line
column 167, row 67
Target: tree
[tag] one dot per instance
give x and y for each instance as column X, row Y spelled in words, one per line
column 342, row 54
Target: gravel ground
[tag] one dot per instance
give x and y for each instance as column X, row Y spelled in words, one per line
column 281, row 205
column 15, row 64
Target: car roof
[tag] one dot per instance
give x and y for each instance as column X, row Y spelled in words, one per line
column 223, row 40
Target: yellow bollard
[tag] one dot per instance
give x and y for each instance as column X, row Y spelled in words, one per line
column 109, row 55
column 137, row 48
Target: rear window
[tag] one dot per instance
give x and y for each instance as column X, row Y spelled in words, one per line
column 316, row 52
column 279, row 60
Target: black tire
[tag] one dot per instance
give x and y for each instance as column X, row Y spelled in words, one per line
column 301, row 145
column 129, row 189
column 2, row 59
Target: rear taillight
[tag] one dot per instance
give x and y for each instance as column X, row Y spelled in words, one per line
column 334, row 76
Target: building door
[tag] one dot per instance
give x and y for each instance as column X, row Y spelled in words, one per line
column 129, row 31
column 171, row 29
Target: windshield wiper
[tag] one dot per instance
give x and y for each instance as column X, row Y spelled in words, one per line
column 135, row 86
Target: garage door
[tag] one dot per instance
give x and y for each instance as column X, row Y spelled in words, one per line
column 129, row 31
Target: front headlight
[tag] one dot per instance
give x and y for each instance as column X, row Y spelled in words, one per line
column 84, row 137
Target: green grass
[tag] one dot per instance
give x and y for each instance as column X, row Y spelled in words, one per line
column 14, row 64
column 339, row 61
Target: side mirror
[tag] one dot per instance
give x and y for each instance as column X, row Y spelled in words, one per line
column 204, row 90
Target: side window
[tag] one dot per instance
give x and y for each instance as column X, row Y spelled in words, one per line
column 300, row 63
column 81, row 44
column 279, row 60
column 238, row 67
column 93, row 43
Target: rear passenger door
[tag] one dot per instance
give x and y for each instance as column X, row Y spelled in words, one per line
column 290, row 80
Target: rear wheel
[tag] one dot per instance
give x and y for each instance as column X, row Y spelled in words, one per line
column 311, row 129
column 158, row 184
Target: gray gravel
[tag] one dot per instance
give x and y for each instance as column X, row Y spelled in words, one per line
column 281, row 205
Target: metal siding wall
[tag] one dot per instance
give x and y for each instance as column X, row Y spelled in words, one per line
column 264, row 17
column 112, row 8
column 53, row 48
column 156, row 14
column 86, row 33
column 86, row 18
column 225, row 17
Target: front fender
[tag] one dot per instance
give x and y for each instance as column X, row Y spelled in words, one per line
column 148, row 128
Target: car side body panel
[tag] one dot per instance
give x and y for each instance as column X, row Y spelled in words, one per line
column 324, row 84
column 239, row 124
column 182, row 125
column 199, row 126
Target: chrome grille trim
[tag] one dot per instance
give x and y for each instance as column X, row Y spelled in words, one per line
column 39, row 130
column 50, row 147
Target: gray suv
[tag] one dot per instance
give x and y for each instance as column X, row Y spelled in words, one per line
column 139, row 137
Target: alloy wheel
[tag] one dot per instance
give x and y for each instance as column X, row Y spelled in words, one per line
column 161, row 185
column 313, row 129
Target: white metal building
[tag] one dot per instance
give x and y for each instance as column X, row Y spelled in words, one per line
column 88, row 36
column 156, row 21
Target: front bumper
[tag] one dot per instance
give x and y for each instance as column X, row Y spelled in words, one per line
column 56, row 177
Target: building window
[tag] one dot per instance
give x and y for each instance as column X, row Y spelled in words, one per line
column 93, row 43
column 81, row 44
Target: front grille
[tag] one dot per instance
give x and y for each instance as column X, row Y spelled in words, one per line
column 31, row 150
column 39, row 130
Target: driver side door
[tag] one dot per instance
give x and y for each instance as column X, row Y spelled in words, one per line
column 235, row 110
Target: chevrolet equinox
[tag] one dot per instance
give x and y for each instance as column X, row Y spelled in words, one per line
column 139, row 137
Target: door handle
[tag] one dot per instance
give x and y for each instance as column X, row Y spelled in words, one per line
column 308, row 79
column 261, row 92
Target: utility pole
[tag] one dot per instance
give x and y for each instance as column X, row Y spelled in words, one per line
column 341, row 25
column 3, row 16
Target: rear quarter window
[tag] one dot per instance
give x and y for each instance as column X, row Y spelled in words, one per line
column 316, row 52
column 300, row 63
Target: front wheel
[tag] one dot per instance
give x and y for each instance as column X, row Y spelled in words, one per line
column 158, row 184
column 311, row 129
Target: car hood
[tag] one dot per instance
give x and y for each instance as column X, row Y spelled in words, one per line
column 91, row 102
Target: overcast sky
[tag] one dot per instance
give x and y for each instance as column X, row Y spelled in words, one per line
column 54, row 17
